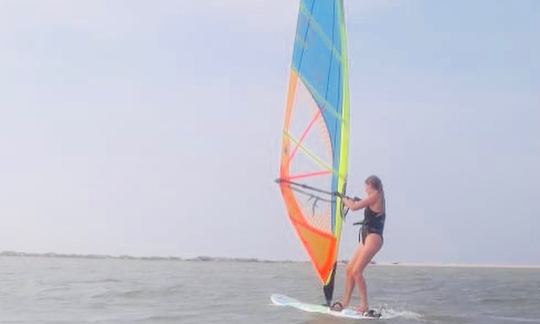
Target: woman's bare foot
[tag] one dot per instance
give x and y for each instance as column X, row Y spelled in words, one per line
column 362, row 308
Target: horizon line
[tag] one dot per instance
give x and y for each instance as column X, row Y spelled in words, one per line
column 8, row 253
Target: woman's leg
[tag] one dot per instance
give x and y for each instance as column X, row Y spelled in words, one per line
column 372, row 245
column 349, row 277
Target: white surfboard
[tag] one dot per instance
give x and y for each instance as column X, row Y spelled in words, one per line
column 282, row 300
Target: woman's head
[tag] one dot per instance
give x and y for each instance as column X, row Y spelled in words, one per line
column 373, row 183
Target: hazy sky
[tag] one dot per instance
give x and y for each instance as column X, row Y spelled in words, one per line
column 153, row 127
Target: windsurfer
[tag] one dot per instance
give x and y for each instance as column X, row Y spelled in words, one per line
column 371, row 238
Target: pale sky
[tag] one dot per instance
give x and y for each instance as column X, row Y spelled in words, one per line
column 153, row 128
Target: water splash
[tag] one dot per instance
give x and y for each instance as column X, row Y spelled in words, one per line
column 390, row 313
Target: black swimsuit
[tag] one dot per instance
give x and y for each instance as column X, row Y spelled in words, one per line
column 373, row 223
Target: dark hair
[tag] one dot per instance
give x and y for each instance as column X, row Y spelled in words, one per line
column 375, row 182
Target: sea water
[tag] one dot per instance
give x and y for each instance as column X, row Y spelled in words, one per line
column 79, row 290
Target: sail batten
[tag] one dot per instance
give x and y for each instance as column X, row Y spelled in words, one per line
column 315, row 157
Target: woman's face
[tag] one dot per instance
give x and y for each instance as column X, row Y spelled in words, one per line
column 369, row 189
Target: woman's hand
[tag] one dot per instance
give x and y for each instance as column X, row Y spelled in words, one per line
column 355, row 204
column 349, row 203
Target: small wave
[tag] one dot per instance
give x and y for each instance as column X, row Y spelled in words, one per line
column 98, row 281
column 157, row 318
column 502, row 299
column 517, row 319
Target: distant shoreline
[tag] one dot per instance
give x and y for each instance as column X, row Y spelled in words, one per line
column 251, row 260
column 131, row 257
column 457, row 265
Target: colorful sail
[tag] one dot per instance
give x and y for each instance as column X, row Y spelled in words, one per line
column 314, row 153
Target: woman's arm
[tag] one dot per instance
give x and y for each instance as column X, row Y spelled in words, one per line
column 359, row 204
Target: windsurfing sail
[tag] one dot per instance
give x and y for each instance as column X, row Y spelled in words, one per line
column 314, row 153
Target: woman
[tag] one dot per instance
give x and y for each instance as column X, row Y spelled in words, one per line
column 372, row 241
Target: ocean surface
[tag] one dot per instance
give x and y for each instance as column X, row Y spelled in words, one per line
column 78, row 290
